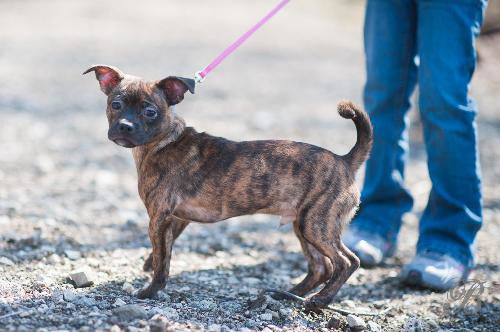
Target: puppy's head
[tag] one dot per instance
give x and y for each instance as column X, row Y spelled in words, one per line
column 139, row 111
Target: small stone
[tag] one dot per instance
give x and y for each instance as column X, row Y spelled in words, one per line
column 82, row 278
column 253, row 291
column 194, row 325
column 134, row 329
column 184, row 289
column 154, row 311
column 374, row 327
column 171, row 313
column 47, row 249
column 206, row 305
column 6, row 261
column 266, row 316
column 273, row 304
column 86, row 301
column 252, row 323
column 42, row 308
column 355, row 322
column 413, row 324
column 157, row 316
column 158, row 325
column 286, row 312
column 258, row 304
column 214, row 328
column 232, row 280
column 25, row 313
column 42, row 281
column 131, row 223
column 93, row 262
column 334, row 323
column 177, row 306
column 115, row 328
column 349, row 303
column 119, row 302
column 54, row 259
column 130, row 312
column 164, row 297
column 128, row 288
column 251, row 281
column 432, row 324
column 73, row 254
column 69, row 296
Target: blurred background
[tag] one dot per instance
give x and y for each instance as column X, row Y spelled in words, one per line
column 65, row 187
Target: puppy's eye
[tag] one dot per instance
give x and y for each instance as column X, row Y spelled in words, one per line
column 150, row 112
column 116, row 105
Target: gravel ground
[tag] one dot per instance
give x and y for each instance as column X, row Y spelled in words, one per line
column 68, row 197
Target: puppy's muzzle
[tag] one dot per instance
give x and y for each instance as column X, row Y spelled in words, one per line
column 125, row 126
column 121, row 134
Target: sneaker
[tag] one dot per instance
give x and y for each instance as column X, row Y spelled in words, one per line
column 370, row 248
column 434, row 270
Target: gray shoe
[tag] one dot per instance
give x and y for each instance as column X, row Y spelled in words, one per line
column 434, row 271
column 370, row 248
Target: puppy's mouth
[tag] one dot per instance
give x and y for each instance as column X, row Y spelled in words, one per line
column 126, row 143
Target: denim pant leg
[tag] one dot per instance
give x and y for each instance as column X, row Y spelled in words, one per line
column 446, row 37
column 390, row 47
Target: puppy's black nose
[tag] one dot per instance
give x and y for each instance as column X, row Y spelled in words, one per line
column 126, row 126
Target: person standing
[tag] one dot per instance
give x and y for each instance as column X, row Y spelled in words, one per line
column 430, row 43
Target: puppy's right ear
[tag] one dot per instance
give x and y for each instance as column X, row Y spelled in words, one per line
column 175, row 87
column 109, row 77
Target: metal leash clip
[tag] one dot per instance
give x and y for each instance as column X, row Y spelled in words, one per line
column 198, row 78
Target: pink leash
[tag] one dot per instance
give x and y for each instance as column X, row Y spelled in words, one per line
column 200, row 76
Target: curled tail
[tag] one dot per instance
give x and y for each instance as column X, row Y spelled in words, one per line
column 359, row 153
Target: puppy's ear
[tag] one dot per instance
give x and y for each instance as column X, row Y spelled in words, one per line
column 175, row 87
column 108, row 77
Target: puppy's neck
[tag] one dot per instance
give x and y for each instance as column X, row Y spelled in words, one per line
column 175, row 131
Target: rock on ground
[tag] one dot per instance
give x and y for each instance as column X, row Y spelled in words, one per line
column 130, row 312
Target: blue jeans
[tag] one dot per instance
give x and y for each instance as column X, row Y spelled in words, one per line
column 442, row 34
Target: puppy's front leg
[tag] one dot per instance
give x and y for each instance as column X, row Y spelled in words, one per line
column 178, row 225
column 161, row 236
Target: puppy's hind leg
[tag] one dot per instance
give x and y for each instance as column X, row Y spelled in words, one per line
column 320, row 269
column 323, row 230
column 348, row 263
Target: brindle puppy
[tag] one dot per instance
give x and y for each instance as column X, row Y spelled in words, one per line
column 186, row 176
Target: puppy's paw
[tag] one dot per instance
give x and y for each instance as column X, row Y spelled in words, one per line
column 147, row 293
column 316, row 303
column 279, row 296
column 148, row 264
